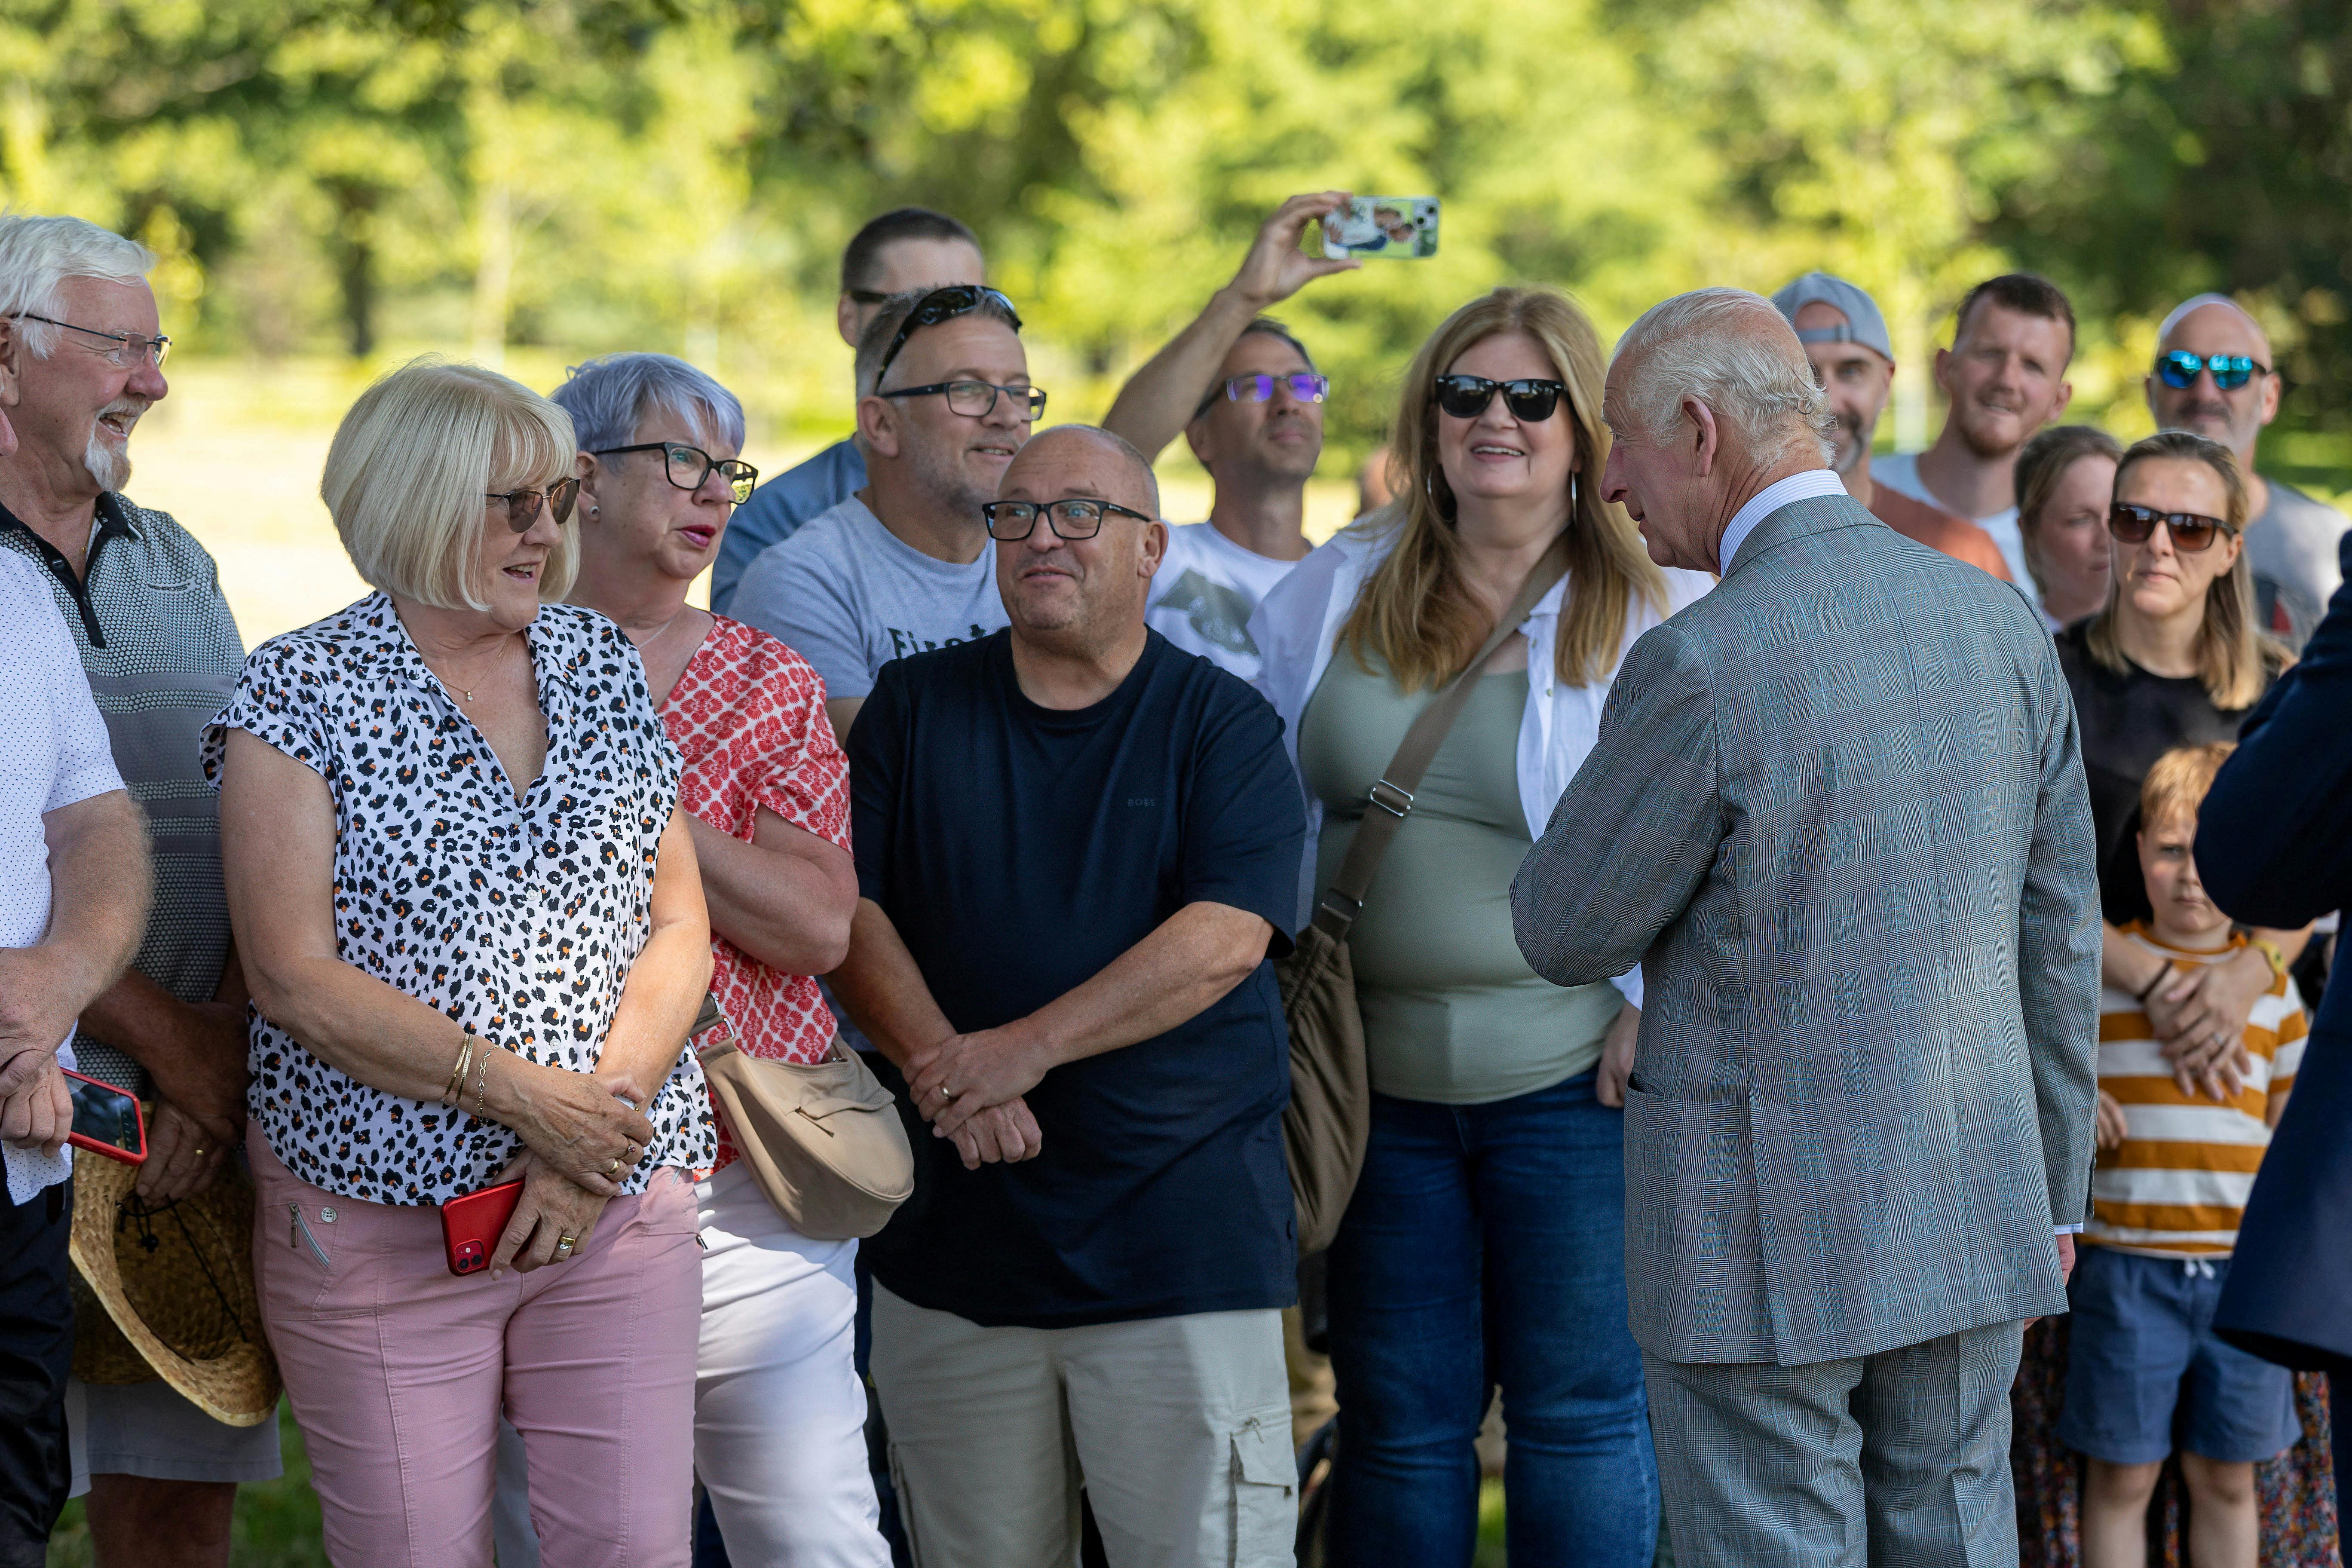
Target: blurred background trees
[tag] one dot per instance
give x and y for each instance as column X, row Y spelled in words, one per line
column 364, row 179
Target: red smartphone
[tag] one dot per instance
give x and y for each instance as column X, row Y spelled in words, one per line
column 471, row 1223
column 106, row 1119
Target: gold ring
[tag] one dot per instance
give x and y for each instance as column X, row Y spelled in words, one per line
column 612, row 1164
column 200, row 1151
column 563, row 1245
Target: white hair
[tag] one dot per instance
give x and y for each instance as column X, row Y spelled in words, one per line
column 38, row 254
column 1732, row 351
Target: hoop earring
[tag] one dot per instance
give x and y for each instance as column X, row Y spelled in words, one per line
column 1443, row 503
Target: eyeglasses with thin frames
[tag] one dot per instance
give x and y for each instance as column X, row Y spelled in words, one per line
column 1074, row 517
column 129, row 351
column 522, row 506
column 687, row 467
column 1305, row 386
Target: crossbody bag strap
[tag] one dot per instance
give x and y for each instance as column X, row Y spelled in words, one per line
column 1391, row 796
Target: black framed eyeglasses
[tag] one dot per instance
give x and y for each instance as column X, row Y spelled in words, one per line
column 129, row 351
column 1466, row 396
column 522, row 506
column 687, row 467
column 2193, row 532
column 941, row 305
column 2178, row 370
column 1304, row 385
column 977, row 399
column 1075, row 517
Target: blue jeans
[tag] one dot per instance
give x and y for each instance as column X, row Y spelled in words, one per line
column 1485, row 1247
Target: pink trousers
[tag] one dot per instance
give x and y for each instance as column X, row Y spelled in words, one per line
column 398, row 1370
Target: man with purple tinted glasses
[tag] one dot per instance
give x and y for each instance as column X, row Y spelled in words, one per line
column 1249, row 402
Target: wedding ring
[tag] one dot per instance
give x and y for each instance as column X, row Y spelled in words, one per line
column 564, row 1244
column 612, row 1164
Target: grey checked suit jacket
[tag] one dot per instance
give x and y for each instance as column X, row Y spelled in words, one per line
column 1837, row 812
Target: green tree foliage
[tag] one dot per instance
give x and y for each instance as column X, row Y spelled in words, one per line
column 580, row 175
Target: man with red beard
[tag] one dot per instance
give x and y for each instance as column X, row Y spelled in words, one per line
column 142, row 602
column 2005, row 377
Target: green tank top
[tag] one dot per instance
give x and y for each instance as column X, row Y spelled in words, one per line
column 1452, row 1015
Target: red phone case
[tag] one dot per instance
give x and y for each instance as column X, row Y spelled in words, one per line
column 471, row 1223
column 138, row 1123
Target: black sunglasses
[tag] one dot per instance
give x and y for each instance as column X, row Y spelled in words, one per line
column 2191, row 531
column 522, row 506
column 1077, row 517
column 2178, row 369
column 1466, row 396
column 687, row 467
column 941, row 305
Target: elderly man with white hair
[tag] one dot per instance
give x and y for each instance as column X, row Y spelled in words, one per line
column 141, row 602
column 2213, row 375
column 1847, row 838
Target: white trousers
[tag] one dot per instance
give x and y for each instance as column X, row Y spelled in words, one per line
column 779, row 1410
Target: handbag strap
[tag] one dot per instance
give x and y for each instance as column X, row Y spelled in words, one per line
column 1391, row 796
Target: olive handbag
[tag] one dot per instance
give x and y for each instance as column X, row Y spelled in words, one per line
column 823, row 1140
column 1330, row 1117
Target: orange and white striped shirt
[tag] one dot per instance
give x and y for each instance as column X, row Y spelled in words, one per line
column 2178, row 1185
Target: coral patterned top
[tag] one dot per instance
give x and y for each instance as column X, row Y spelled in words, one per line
column 748, row 718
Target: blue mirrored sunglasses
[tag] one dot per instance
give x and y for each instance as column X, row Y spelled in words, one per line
column 2178, row 369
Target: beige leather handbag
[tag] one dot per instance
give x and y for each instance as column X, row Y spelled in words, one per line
column 823, row 1140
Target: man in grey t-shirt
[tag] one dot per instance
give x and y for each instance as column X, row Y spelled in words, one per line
column 2213, row 375
column 943, row 402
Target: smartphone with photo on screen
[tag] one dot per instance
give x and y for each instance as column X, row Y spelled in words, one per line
column 106, row 1119
column 1402, row 229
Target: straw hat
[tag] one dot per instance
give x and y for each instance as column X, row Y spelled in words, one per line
column 176, row 1283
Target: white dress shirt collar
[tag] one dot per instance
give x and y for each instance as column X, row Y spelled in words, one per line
column 1771, row 498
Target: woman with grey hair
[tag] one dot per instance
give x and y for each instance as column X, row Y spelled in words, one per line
column 780, row 1411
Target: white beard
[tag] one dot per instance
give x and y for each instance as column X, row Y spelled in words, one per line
column 110, row 466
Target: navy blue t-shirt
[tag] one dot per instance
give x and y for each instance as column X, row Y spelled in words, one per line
column 1019, row 850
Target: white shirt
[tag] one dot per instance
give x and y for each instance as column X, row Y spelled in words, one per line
column 1297, row 625
column 1812, row 482
column 1205, row 590
column 1900, row 470
column 54, row 752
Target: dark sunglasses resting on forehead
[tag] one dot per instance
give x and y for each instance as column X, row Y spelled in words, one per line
column 1466, row 396
column 522, row 506
column 941, row 305
column 2178, row 369
column 1304, row 385
column 2191, row 531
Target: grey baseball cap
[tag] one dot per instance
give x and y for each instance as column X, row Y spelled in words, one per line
column 1863, row 324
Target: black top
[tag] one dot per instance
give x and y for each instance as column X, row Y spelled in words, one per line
column 2128, row 718
column 1019, row 850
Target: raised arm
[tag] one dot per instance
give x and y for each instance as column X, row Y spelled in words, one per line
column 1157, row 402
column 1186, row 965
column 2058, row 960
column 1635, row 831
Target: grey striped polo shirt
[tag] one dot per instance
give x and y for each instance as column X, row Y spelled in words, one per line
column 162, row 653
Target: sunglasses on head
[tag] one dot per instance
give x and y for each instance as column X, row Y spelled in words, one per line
column 2191, row 531
column 2178, row 369
column 941, row 305
column 522, row 506
column 1466, row 396
column 1305, row 386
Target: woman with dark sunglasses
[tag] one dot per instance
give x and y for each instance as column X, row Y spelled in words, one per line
column 1484, row 1246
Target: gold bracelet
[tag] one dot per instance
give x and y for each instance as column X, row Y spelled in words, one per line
column 482, row 1085
column 453, row 1092
column 2273, row 954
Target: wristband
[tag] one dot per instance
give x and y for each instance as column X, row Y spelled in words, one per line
column 2161, row 976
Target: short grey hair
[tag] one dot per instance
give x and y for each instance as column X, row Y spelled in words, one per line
column 609, row 396
column 38, row 254
column 1732, row 351
column 892, row 314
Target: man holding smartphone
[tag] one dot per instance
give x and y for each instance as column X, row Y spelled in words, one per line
column 73, row 902
column 1249, row 401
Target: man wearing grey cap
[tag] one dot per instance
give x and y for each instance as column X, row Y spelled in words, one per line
column 2212, row 375
column 1846, row 342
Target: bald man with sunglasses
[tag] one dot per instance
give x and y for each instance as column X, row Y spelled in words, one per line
column 2213, row 375
column 1248, row 400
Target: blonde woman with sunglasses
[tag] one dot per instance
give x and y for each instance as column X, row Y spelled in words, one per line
column 1485, row 1239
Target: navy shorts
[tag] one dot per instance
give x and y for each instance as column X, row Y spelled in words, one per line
column 2142, row 1348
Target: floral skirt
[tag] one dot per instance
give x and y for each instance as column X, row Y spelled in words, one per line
column 2297, row 1489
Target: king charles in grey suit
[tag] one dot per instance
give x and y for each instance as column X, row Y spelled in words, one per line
column 1837, row 813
